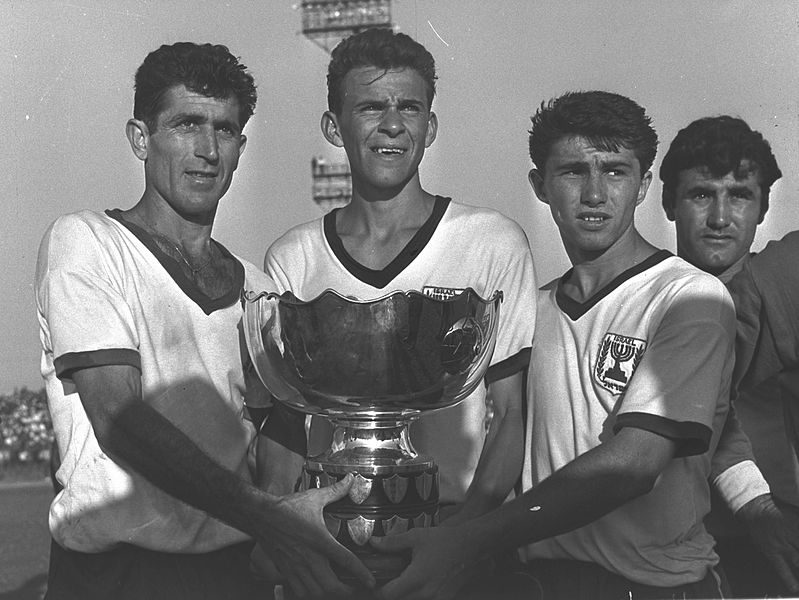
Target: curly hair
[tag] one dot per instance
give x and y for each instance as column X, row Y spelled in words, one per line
column 607, row 120
column 207, row 69
column 382, row 48
column 721, row 145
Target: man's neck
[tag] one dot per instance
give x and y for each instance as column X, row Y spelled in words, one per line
column 158, row 218
column 730, row 272
column 375, row 232
column 188, row 243
column 591, row 274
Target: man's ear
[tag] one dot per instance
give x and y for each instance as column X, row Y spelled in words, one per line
column 646, row 180
column 432, row 130
column 330, row 129
column 536, row 179
column 242, row 144
column 138, row 136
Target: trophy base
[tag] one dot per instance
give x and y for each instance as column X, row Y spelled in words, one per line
column 395, row 490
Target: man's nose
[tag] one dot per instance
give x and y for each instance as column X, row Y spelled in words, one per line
column 391, row 123
column 718, row 216
column 207, row 145
column 593, row 191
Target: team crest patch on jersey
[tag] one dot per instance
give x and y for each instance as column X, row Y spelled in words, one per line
column 619, row 355
column 440, row 293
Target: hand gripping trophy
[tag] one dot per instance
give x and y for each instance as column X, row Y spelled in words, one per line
column 371, row 368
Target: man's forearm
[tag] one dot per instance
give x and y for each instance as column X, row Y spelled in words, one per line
column 584, row 490
column 501, row 459
column 141, row 437
column 733, row 471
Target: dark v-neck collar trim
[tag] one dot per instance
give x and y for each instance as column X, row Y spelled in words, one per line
column 207, row 304
column 574, row 309
column 382, row 277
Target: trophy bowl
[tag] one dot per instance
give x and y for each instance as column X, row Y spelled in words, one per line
column 371, row 368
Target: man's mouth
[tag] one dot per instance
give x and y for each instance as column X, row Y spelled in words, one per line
column 593, row 218
column 388, row 150
column 201, row 174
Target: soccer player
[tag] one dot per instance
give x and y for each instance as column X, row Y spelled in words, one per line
column 628, row 388
column 394, row 235
column 139, row 314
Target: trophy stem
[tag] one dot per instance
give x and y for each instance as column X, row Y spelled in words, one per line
column 370, row 445
column 395, row 489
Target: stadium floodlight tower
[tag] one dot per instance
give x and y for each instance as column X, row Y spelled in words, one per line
column 326, row 23
column 332, row 184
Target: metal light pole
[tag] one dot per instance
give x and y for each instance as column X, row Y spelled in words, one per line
column 326, row 23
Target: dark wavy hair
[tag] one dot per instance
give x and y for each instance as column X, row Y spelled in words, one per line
column 381, row 48
column 721, row 145
column 607, row 120
column 207, row 69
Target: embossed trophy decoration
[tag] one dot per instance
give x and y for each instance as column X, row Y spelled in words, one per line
column 371, row 368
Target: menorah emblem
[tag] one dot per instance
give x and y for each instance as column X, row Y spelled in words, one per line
column 621, row 350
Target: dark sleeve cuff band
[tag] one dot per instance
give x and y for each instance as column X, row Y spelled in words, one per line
column 66, row 364
column 691, row 438
column 509, row 366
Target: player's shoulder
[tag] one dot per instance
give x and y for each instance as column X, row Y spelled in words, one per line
column 778, row 254
column 300, row 235
column 79, row 231
column 678, row 273
column 485, row 221
column 80, row 222
column 254, row 278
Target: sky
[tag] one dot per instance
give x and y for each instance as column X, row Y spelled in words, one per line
column 66, row 91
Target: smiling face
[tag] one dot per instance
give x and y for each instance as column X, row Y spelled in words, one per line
column 715, row 217
column 384, row 126
column 191, row 155
column 591, row 193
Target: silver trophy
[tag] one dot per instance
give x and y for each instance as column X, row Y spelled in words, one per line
column 371, row 368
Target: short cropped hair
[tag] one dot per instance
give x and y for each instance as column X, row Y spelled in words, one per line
column 381, row 48
column 721, row 145
column 607, row 120
column 207, row 69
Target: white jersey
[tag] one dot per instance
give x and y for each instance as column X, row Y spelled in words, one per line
column 104, row 298
column 458, row 247
column 652, row 350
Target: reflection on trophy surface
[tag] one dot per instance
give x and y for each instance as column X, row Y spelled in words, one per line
column 372, row 367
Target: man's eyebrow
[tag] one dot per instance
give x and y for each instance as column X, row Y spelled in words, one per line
column 230, row 124
column 572, row 164
column 616, row 162
column 700, row 187
column 370, row 101
column 182, row 116
column 740, row 189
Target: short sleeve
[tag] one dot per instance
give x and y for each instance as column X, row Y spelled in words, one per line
column 517, row 311
column 84, row 318
column 685, row 371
